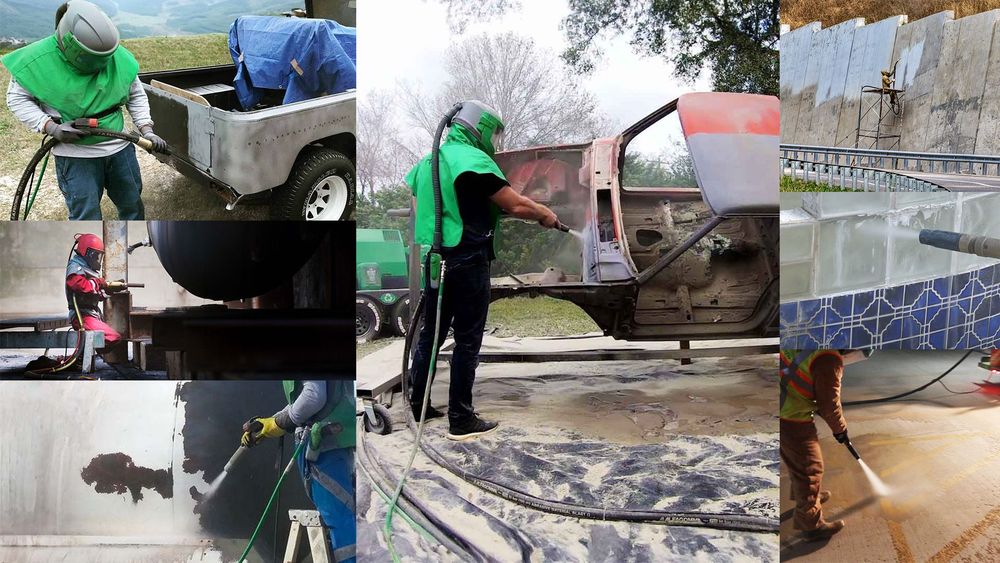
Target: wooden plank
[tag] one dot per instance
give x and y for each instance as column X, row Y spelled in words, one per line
column 186, row 94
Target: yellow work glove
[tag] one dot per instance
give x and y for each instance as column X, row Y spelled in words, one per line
column 257, row 428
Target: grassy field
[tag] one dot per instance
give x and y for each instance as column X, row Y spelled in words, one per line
column 797, row 13
column 789, row 184
column 520, row 316
column 167, row 194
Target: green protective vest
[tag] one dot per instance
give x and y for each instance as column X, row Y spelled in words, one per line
column 459, row 153
column 333, row 426
column 41, row 69
column 798, row 394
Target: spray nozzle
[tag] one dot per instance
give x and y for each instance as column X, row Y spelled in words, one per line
column 854, row 452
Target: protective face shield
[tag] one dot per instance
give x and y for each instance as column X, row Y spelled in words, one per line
column 86, row 36
column 484, row 122
column 91, row 248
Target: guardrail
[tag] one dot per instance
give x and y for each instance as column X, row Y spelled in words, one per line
column 928, row 162
column 855, row 178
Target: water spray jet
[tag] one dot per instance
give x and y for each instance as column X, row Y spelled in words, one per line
column 878, row 486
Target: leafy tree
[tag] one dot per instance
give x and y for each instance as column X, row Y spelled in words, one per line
column 540, row 100
column 671, row 169
column 735, row 39
column 373, row 209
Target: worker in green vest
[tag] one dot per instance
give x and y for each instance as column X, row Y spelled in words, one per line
column 321, row 412
column 81, row 71
column 474, row 192
column 810, row 385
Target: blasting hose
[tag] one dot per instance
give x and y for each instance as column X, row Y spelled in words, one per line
column 435, row 275
column 961, row 242
column 88, row 125
column 270, row 501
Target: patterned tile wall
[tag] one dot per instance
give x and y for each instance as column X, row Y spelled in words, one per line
column 954, row 311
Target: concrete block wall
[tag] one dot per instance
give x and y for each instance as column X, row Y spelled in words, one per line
column 853, row 273
column 949, row 68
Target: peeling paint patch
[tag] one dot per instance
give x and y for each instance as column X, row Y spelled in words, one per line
column 116, row 473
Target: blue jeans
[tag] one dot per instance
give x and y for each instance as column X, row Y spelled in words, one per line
column 336, row 507
column 82, row 182
column 464, row 308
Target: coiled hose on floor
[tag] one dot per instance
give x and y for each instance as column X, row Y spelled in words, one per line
column 87, row 125
column 738, row 522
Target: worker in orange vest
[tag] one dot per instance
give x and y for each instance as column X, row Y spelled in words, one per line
column 810, row 385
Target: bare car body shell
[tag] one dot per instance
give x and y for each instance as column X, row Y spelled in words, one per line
column 665, row 263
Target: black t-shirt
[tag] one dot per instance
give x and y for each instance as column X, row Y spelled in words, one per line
column 473, row 192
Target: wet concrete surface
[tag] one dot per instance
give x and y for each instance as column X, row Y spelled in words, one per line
column 650, row 435
column 938, row 452
column 115, row 473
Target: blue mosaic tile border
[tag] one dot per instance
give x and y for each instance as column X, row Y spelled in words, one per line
column 953, row 312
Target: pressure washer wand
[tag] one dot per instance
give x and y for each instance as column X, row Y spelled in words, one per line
column 854, row 452
column 961, row 242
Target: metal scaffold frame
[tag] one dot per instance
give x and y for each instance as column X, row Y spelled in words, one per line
column 888, row 111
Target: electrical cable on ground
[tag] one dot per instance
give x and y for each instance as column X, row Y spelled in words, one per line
column 917, row 390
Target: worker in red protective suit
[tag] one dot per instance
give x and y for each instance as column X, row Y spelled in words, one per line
column 810, row 385
column 86, row 289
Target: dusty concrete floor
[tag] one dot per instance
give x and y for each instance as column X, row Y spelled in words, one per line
column 938, row 452
column 640, row 435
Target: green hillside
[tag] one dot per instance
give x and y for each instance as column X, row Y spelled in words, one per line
column 33, row 19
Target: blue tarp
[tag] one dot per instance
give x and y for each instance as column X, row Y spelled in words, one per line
column 306, row 58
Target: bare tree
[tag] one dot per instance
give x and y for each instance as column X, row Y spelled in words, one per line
column 383, row 158
column 540, row 101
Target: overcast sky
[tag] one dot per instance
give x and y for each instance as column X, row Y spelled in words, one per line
column 406, row 40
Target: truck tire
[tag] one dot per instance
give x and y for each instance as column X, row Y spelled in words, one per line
column 401, row 316
column 368, row 319
column 321, row 187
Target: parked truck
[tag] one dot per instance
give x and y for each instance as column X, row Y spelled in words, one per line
column 383, row 300
column 298, row 155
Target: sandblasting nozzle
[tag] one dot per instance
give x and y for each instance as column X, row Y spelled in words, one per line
column 236, row 457
column 961, row 242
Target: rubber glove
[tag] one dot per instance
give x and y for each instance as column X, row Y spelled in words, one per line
column 258, row 428
column 63, row 132
column 159, row 145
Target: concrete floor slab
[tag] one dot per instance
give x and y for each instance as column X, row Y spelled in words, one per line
column 655, row 413
column 938, row 451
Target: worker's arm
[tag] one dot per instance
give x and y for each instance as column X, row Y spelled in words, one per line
column 26, row 108
column 827, row 371
column 82, row 284
column 309, row 402
column 138, row 106
column 516, row 205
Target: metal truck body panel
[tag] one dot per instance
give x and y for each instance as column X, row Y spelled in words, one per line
column 246, row 152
